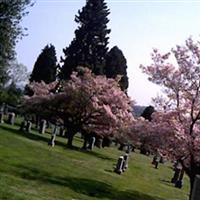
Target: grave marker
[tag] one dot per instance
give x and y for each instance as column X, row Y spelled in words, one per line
column 1, row 117
column 11, row 118
column 53, row 136
column 28, row 126
column 91, row 143
column 43, row 123
column 125, row 162
column 119, row 165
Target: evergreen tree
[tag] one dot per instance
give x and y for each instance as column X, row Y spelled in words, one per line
column 148, row 111
column 11, row 13
column 45, row 68
column 116, row 65
column 89, row 46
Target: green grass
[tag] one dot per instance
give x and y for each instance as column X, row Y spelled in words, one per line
column 32, row 170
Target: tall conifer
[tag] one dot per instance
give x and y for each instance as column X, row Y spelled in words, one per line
column 45, row 68
column 116, row 65
column 89, row 47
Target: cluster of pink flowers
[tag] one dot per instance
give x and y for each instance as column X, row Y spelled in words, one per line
column 92, row 103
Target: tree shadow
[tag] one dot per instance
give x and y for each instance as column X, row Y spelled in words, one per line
column 31, row 136
column 41, row 138
column 98, row 155
column 88, row 187
column 167, row 182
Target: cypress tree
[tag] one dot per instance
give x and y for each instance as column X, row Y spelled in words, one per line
column 148, row 111
column 116, row 65
column 45, row 68
column 89, row 47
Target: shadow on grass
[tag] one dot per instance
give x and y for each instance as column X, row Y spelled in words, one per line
column 88, row 187
column 98, row 155
column 37, row 137
column 167, row 182
column 30, row 136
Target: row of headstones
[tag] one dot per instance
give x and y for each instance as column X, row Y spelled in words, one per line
column 122, row 164
column 26, row 126
column 177, row 179
column 91, row 141
column 156, row 160
column 10, row 118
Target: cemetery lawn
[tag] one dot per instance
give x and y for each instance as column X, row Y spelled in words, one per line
column 32, row 170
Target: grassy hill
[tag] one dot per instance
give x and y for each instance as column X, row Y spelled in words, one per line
column 32, row 170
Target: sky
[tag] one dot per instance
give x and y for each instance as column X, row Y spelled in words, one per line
column 137, row 26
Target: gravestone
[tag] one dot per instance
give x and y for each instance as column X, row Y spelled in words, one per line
column 53, row 136
column 1, row 117
column 162, row 160
column 119, row 166
column 121, row 147
column 28, row 126
column 196, row 188
column 99, row 142
column 129, row 148
column 155, row 161
column 62, row 131
column 176, row 175
column 107, row 142
column 2, row 108
column 42, row 126
column 91, row 143
column 177, row 171
column 11, row 118
column 23, row 125
column 179, row 182
column 125, row 162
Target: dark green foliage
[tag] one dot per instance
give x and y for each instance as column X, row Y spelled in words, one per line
column 11, row 13
column 148, row 111
column 45, row 68
column 12, row 91
column 89, row 46
column 11, row 95
column 116, row 65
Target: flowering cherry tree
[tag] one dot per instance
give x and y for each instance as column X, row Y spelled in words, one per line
column 175, row 130
column 86, row 103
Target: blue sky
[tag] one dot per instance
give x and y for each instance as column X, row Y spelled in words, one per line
column 136, row 28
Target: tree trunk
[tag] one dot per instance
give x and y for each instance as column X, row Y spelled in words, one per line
column 85, row 142
column 37, row 122
column 192, row 178
column 70, row 139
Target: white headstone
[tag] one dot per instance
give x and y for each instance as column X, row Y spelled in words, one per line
column 119, row 166
column 43, row 123
column 92, row 142
column 28, row 126
column 125, row 163
column 53, row 136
